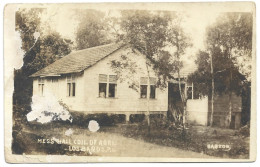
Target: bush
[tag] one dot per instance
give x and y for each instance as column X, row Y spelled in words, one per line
column 158, row 121
column 244, row 131
column 82, row 119
column 27, row 143
column 137, row 118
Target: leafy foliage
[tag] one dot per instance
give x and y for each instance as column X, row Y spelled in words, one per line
column 229, row 38
column 92, row 29
column 148, row 33
column 47, row 49
column 126, row 69
column 232, row 33
column 164, row 67
column 27, row 23
column 180, row 41
column 177, row 38
column 231, row 30
column 40, row 50
column 221, row 64
column 144, row 30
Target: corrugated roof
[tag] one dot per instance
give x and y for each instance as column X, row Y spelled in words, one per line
column 78, row 61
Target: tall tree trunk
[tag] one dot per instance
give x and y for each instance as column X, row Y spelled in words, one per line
column 148, row 96
column 212, row 91
column 182, row 100
column 229, row 115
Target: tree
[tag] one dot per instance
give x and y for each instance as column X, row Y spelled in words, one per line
column 148, row 33
column 93, row 29
column 27, row 23
column 227, row 40
column 232, row 33
column 202, row 76
column 180, row 41
column 40, row 50
column 47, row 49
column 145, row 31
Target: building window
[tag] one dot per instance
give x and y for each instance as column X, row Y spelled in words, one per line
column 189, row 92
column 102, row 89
column 192, row 92
column 71, row 86
column 152, row 91
column 112, row 86
column 107, row 85
column 196, row 93
column 143, row 91
column 41, row 86
column 144, row 87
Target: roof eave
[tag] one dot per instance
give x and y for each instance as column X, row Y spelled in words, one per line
column 54, row 75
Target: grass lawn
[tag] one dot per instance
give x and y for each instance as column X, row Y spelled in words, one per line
column 196, row 138
column 200, row 139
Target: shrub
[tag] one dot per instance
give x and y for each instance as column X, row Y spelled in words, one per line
column 137, row 118
column 82, row 120
column 244, row 131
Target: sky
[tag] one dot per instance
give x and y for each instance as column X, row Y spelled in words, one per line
column 61, row 19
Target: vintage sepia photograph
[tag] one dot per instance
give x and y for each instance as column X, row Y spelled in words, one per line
column 156, row 82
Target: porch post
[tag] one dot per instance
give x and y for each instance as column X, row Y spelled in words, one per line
column 127, row 117
column 165, row 115
column 146, row 116
column 192, row 89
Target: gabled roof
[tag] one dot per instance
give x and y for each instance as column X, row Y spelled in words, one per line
column 78, row 61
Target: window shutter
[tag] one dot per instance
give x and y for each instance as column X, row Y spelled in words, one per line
column 68, row 78
column 112, row 78
column 143, row 81
column 152, row 81
column 102, row 78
